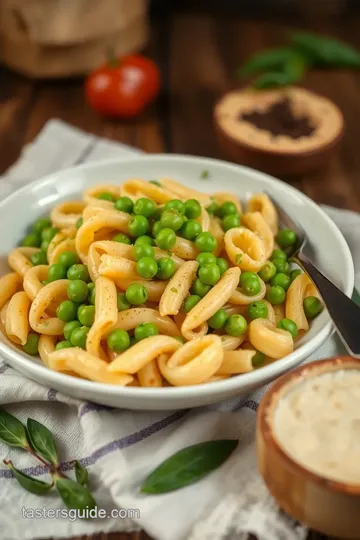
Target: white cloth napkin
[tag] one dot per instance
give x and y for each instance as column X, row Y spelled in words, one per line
column 121, row 447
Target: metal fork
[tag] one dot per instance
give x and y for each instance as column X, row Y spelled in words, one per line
column 343, row 311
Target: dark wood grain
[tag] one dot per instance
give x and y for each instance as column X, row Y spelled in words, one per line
column 198, row 53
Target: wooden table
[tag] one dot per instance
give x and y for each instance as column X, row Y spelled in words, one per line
column 198, row 53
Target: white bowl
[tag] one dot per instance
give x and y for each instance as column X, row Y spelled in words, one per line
column 333, row 256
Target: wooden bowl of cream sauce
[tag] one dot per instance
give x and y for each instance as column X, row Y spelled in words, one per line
column 308, row 445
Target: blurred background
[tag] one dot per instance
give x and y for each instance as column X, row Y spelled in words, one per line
column 48, row 47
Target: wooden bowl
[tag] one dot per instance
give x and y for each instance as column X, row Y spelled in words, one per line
column 328, row 506
column 249, row 145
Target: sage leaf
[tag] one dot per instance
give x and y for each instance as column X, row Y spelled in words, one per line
column 187, row 466
column 74, row 495
column 324, row 51
column 81, row 473
column 12, row 431
column 42, row 441
column 293, row 70
column 270, row 60
column 27, row 482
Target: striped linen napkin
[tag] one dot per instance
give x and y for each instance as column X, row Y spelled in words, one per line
column 121, row 447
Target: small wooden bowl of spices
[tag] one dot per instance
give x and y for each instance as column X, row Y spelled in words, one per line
column 308, row 445
column 288, row 131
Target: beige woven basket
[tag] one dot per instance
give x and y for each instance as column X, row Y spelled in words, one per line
column 62, row 38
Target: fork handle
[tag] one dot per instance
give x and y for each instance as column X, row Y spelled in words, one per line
column 343, row 311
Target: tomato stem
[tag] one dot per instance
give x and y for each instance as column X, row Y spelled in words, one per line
column 112, row 60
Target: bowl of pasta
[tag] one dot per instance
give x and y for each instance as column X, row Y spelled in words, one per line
column 161, row 282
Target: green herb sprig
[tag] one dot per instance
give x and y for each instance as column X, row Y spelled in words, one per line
column 286, row 66
column 38, row 441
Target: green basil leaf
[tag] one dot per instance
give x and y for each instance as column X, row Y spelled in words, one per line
column 323, row 51
column 12, row 431
column 42, row 441
column 74, row 495
column 81, row 473
column 293, row 71
column 30, row 484
column 188, row 466
column 271, row 60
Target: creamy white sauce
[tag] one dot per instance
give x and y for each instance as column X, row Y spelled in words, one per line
column 318, row 425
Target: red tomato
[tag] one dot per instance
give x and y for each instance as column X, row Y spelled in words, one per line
column 123, row 88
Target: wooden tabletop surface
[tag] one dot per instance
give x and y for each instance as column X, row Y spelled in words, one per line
column 198, row 53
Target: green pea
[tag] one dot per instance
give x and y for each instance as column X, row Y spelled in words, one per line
column 312, row 307
column 209, row 274
column 257, row 310
column 68, row 258
column 158, row 213
column 258, row 359
column 147, row 267
column 156, row 228
column 44, row 282
column 122, row 303
column 166, row 268
column 91, row 286
column 228, row 208
column 92, row 296
column 78, row 337
column 294, row 274
column 118, row 340
column 106, row 197
column 218, row 320
column 190, row 302
column 79, row 222
column 245, row 276
column 31, row 345
column 191, row 229
column 40, row 225
column 286, row 238
column 86, row 315
column 205, row 242
column 250, row 284
column 145, row 330
column 31, row 240
column 144, row 239
column 222, row 264
column 155, row 182
column 231, row 221
column 124, row 204
column 279, row 254
column 236, row 325
column 38, row 258
column 138, row 226
column 282, row 267
column 66, row 311
column 179, row 338
column 136, row 294
column 122, row 239
column 200, row 289
column 267, row 272
column 78, row 271
column 69, row 328
column 176, row 204
column 56, row 271
column 172, row 219
column 289, row 326
column 49, row 233
column 192, row 209
column 133, row 341
column 144, row 207
column 213, row 208
column 63, row 345
column 283, row 280
column 143, row 250
column 77, row 291
column 206, row 258
column 166, row 239
column 275, row 295
column 44, row 245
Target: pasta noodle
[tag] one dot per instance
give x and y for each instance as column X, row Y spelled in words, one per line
column 155, row 284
